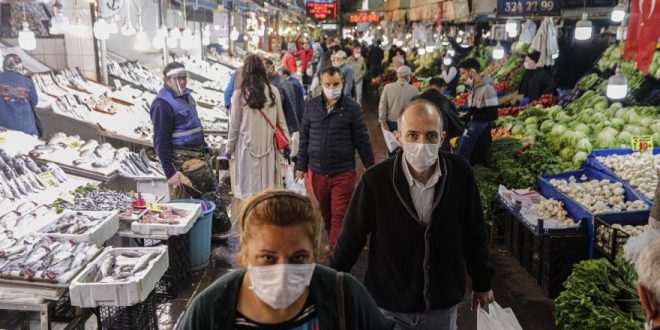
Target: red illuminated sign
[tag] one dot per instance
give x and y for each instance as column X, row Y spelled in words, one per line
column 321, row 11
column 364, row 17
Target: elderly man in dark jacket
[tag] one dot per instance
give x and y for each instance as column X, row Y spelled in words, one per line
column 332, row 128
column 422, row 211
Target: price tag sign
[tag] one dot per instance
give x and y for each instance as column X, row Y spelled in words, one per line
column 72, row 143
column 47, row 179
column 529, row 7
column 155, row 207
column 642, row 143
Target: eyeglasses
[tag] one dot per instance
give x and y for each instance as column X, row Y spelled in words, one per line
column 180, row 77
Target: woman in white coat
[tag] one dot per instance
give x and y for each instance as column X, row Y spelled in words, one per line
column 251, row 138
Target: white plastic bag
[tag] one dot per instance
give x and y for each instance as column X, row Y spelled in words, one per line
column 390, row 140
column 294, row 184
column 497, row 318
column 295, row 142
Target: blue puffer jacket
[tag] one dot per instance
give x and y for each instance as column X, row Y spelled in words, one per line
column 328, row 140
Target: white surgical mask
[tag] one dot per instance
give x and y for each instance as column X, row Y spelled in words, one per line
column 469, row 81
column 332, row 93
column 280, row 285
column 421, row 156
column 528, row 65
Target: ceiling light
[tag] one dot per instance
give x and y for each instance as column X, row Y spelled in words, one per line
column 498, row 51
column 618, row 13
column 26, row 39
column 617, row 85
column 421, row 51
column 451, row 51
column 446, row 60
column 234, row 34
column 583, row 28
column 101, row 29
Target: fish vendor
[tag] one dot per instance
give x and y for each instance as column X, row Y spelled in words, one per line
column 179, row 142
column 18, row 97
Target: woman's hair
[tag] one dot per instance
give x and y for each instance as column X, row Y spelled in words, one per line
column 280, row 208
column 253, row 79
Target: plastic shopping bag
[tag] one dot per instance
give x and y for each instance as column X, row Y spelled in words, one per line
column 390, row 140
column 295, row 142
column 294, row 184
column 497, row 318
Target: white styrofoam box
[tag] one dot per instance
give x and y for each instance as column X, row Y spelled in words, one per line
column 170, row 230
column 148, row 198
column 129, row 293
column 100, row 233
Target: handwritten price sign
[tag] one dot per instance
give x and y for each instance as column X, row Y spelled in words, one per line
column 47, row 179
column 642, row 143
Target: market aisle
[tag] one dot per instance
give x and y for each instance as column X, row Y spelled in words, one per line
column 513, row 287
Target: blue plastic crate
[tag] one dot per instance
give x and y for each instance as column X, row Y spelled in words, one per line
column 579, row 212
column 598, row 166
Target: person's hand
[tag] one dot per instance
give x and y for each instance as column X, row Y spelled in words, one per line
column 481, row 299
column 384, row 126
column 227, row 154
column 175, row 180
column 300, row 175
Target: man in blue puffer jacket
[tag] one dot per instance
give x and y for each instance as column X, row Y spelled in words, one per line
column 332, row 128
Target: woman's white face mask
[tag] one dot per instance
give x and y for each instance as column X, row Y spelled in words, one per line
column 280, row 285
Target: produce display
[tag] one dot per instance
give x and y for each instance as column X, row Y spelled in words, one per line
column 44, row 259
column 654, row 69
column 494, row 67
column 138, row 165
column 640, row 170
column 598, row 196
column 600, row 295
column 121, row 268
column 168, row 215
column 18, row 176
column 76, row 223
column 461, row 99
column 513, row 64
column 610, row 57
column 502, row 86
column 552, row 208
column 617, row 233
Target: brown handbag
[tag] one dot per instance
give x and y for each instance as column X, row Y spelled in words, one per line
column 281, row 142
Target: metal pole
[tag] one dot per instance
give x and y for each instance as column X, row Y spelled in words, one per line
column 104, row 62
column 162, row 20
column 229, row 41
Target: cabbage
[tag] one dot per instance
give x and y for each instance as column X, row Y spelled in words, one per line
column 601, row 105
column 646, row 122
column 609, row 130
column 566, row 153
column 584, row 145
column 554, row 110
column 563, row 117
column 579, row 158
column 531, row 120
column 624, row 137
column 633, row 117
column 637, row 130
column 598, row 118
column 656, row 138
column 606, row 140
column 557, row 130
column 616, row 105
column 518, row 129
column 547, row 126
column 622, row 113
column 581, row 127
column 617, row 123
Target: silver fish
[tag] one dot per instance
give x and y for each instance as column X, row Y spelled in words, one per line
column 102, row 163
column 56, row 138
column 32, row 166
column 143, row 262
column 89, row 146
column 107, row 265
column 81, row 161
column 12, row 250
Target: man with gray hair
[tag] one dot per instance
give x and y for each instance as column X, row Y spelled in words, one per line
column 339, row 61
column 422, row 212
column 18, row 97
column 394, row 97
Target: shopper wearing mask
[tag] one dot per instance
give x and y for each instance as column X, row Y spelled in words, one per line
column 288, row 96
column 289, row 59
column 452, row 125
column 422, row 212
column 394, row 97
column 356, row 62
column 339, row 61
column 255, row 108
column 278, row 285
column 18, row 97
column 648, row 278
column 333, row 127
column 482, row 106
column 536, row 81
column 179, row 143
column 306, row 54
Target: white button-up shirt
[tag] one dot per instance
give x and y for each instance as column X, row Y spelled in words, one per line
column 422, row 194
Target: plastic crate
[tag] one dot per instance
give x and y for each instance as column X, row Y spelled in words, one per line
column 178, row 273
column 62, row 310
column 142, row 316
column 603, row 230
column 558, row 255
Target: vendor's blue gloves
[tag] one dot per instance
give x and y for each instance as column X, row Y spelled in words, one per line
column 227, row 154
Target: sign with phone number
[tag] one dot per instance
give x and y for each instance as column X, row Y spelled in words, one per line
column 529, row 7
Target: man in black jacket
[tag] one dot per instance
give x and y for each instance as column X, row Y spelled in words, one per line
column 451, row 123
column 422, row 211
column 333, row 127
column 287, row 95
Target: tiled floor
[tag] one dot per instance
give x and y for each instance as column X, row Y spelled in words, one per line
column 513, row 287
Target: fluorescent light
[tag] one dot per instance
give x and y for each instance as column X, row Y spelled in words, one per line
column 617, row 86
column 26, row 39
column 498, row 51
column 618, row 13
column 583, row 28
